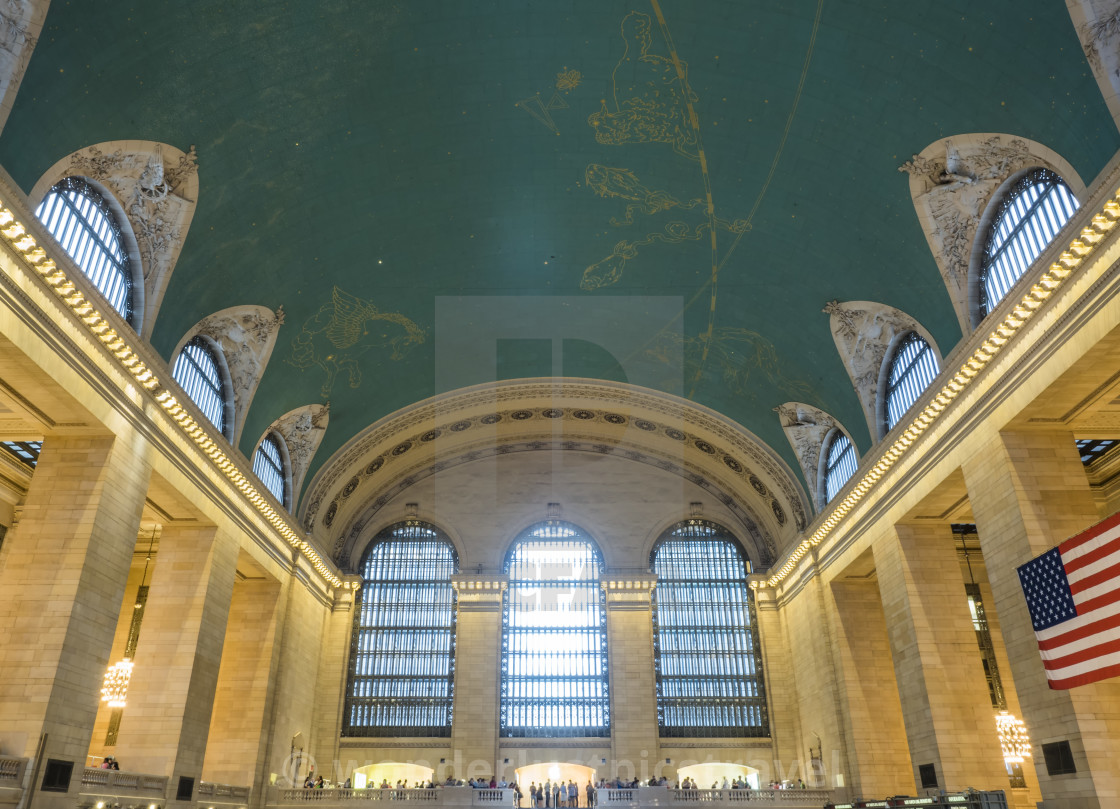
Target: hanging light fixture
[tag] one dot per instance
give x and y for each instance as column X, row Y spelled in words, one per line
column 1013, row 738
column 114, row 690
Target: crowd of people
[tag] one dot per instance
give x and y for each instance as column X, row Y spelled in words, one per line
column 549, row 795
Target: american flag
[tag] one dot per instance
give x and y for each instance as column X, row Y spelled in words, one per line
column 1073, row 593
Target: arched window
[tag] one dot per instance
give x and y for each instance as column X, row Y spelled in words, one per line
column 197, row 372
column 271, row 467
column 707, row 657
column 81, row 220
column 402, row 671
column 1027, row 219
column 554, row 642
column 839, row 462
column 913, row 365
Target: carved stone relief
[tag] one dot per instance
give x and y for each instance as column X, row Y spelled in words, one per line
column 20, row 23
column 952, row 182
column 1098, row 27
column 157, row 188
column 805, row 427
column 302, row 430
column 247, row 335
column 863, row 331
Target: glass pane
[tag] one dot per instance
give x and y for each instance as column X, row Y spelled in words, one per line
column 197, row 374
column 707, row 655
column 268, row 466
column 913, row 368
column 554, row 647
column 403, row 651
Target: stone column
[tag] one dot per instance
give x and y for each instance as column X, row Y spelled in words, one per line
column 478, row 660
column 236, row 742
column 1029, row 492
column 330, row 690
column 62, row 580
column 633, row 689
column 950, row 722
column 878, row 752
column 171, row 697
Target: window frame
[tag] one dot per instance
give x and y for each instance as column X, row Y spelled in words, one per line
column 109, row 208
column 593, row 702
column 887, row 388
column 751, row 651
column 1002, row 202
column 392, row 534
column 834, row 436
column 284, row 469
column 224, row 389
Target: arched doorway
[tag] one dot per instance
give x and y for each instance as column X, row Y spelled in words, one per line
column 555, row 772
column 372, row 776
column 704, row 775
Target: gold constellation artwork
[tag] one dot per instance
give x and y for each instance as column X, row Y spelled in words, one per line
column 345, row 328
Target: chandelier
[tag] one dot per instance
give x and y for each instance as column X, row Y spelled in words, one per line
column 115, row 688
column 1013, row 738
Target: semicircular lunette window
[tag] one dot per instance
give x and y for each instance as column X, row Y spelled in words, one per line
column 913, row 367
column 196, row 371
column 1029, row 216
column 840, row 463
column 81, row 221
column 269, row 467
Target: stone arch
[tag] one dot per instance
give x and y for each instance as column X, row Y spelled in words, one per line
column 156, row 187
column 952, row 182
column 246, row 336
column 1098, row 27
column 863, row 332
column 302, row 430
column 806, row 427
column 21, row 22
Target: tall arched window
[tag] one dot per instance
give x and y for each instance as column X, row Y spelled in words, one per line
column 271, row 466
column 706, row 651
column 1027, row 219
column 402, row 671
column 913, row 365
column 838, row 461
column 554, row 642
column 81, row 220
column 197, row 372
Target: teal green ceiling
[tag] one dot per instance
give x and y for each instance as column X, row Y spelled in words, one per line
column 403, row 153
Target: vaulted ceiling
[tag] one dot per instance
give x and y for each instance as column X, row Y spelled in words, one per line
column 661, row 192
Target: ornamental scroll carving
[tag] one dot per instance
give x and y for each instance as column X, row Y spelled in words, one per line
column 952, row 182
column 1098, row 27
column 247, row 335
column 20, row 24
column 806, row 427
column 302, row 430
column 863, row 331
column 156, row 186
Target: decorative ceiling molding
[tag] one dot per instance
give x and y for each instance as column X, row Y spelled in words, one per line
column 806, row 427
column 156, row 188
column 613, row 415
column 247, row 335
column 21, row 22
column 863, row 332
column 302, row 430
column 952, row 183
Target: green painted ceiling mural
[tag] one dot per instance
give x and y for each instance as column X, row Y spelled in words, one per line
column 366, row 163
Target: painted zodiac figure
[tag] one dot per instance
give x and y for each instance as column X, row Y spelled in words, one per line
column 624, row 184
column 650, row 99
column 337, row 335
column 609, row 270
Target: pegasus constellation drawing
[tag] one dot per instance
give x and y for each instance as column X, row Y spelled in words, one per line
column 344, row 329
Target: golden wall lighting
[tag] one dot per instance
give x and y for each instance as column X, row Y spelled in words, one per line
column 1013, row 738
column 114, row 690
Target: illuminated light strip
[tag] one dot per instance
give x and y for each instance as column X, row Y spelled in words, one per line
column 1079, row 249
column 34, row 255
